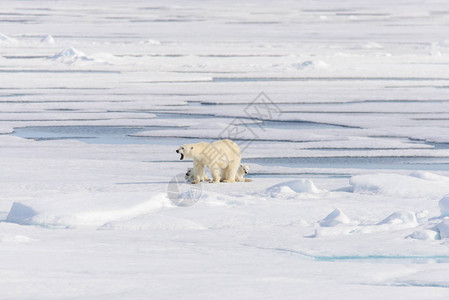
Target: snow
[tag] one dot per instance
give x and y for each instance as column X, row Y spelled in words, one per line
column 6, row 39
column 85, row 212
column 291, row 188
column 340, row 109
column 443, row 228
column 425, row 235
column 396, row 218
column 48, row 39
column 70, row 56
column 400, row 185
column 153, row 222
column 444, row 205
column 311, row 64
column 335, row 218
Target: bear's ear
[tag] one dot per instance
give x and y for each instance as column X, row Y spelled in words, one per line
column 191, row 148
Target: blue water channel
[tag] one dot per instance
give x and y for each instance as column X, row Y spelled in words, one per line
column 123, row 135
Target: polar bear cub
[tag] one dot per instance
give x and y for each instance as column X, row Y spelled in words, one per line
column 222, row 158
column 190, row 175
column 242, row 171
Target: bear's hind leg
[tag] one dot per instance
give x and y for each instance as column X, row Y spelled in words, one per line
column 223, row 173
column 198, row 173
column 231, row 173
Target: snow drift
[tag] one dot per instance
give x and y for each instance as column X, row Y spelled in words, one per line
column 70, row 56
column 6, row 39
column 291, row 188
column 416, row 185
column 444, row 206
column 335, row 218
column 83, row 211
column 48, row 39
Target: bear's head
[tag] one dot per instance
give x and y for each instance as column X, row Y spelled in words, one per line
column 185, row 151
column 244, row 169
column 189, row 174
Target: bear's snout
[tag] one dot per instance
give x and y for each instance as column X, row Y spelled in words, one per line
column 177, row 151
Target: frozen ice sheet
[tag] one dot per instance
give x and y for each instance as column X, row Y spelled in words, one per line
column 362, row 87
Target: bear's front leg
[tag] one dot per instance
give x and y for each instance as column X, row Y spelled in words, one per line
column 198, row 172
column 215, row 175
column 239, row 179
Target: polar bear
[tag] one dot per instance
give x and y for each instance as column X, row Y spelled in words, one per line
column 190, row 175
column 221, row 157
column 194, row 151
column 243, row 169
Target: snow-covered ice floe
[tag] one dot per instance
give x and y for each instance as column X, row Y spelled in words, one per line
column 291, row 188
column 417, row 184
column 81, row 210
column 6, row 39
column 340, row 109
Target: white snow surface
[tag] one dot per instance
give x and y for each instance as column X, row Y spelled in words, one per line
column 6, row 39
column 48, row 39
column 70, row 56
column 443, row 228
column 340, row 108
column 335, row 218
column 291, row 188
column 444, row 205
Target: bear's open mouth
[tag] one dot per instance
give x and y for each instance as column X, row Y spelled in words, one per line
column 182, row 157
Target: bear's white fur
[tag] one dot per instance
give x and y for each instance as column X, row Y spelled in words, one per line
column 190, row 175
column 221, row 157
column 243, row 169
column 194, row 151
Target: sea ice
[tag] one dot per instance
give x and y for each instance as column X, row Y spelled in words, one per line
column 372, row 45
column 430, row 176
column 400, row 185
column 48, row 39
column 337, row 217
column 150, row 42
column 70, row 56
column 444, row 205
column 81, row 210
column 399, row 217
column 6, row 39
column 443, row 228
column 311, row 65
column 338, row 106
column 425, row 234
column 291, row 188
column 154, row 222
column 21, row 214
